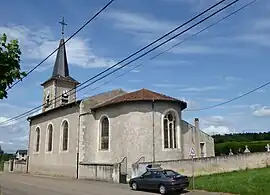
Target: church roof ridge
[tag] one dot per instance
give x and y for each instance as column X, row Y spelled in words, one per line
column 106, row 92
column 140, row 95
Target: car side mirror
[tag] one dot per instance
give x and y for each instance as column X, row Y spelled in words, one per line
column 141, row 176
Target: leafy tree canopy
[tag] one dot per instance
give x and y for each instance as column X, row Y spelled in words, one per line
column 10, row 70
column 242, row 137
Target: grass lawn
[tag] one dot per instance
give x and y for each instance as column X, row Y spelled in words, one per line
column 248, row 182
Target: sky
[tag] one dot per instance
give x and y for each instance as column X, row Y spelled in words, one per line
column 221, row 63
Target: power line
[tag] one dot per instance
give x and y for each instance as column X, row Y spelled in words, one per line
column 159, row 45
column 231, row 100
column 188, row 38
column 35, row 109
column 90, row 20
column 216, row 12
column 129, row 55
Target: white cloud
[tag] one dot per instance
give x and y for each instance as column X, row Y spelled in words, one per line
column 14, row 133
column 166, row 85
column 135, row 80
column 4, row 121
column 37, row 44
column 213, row 130
column 191, row 104
column 169, row 62
column 135, row 70
column 144, row 27
column 204, row 49
column 262, row 111
column 262, row 24
column 231, row 78
column 200, row 89
column 135, row 22
column 216, row 125
column 261, row 39
column 261, row 91
column 215, row 100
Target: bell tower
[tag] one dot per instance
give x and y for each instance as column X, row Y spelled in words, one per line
column 60, row 88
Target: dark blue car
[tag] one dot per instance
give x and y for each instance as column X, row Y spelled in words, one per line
column 164, row 180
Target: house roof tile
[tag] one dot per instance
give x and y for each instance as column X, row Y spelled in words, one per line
column 141, row 95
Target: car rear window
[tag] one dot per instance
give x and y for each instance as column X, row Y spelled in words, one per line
column 169, row 173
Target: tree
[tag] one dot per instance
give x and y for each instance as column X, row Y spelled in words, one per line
column 10, row 69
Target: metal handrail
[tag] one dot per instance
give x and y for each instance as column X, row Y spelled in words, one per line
column 140, row 159
column 125, row 158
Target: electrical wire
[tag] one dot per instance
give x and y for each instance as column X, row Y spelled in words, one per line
column 35, row 109
column 90, row 20
column 231, row 100
column 181, row 42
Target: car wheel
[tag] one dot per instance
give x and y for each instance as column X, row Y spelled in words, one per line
column 162, row 189
column 134, row 186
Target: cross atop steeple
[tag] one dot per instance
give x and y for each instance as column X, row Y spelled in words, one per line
column 63, row 24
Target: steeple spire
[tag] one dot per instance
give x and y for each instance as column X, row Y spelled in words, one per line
column 60, row 69
column 61, row 64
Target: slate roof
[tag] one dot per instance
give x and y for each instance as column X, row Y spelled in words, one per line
column 94, row 100
column 60, row 70
column 141, row 95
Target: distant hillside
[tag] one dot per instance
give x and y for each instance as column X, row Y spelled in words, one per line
column 242, row 137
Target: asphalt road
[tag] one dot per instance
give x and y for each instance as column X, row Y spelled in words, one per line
column 18, row 184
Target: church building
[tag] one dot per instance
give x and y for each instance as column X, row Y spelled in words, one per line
column 107, row 127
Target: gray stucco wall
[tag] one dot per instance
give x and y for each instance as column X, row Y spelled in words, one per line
column 57, row 162
column 192, row 139
column 131, row 133
column 219, row 164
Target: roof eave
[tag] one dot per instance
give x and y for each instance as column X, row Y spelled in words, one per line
column 52, row 78
column 54, row 109
column 182, row 103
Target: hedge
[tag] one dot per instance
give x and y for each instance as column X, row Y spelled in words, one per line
column 224, row 148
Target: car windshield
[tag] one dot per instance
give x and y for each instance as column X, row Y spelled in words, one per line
column 169, row 173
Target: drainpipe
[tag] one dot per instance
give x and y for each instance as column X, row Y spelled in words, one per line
column 197, row 135
column 153, row 127
column 78, row 143
column 29, row 142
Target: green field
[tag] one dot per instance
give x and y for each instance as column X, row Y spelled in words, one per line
column 248, row 182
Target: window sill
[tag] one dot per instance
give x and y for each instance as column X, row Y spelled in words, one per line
column 64, row 151
column 171, row 149
column 103, row 150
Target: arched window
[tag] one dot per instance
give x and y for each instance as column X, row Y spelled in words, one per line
column 50, row 137
column 170, row 130
column 65, row 136
column 37, row 139
column 104, row 135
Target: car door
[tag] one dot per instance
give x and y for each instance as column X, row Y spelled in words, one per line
column 145, row 181
column 152, row 180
